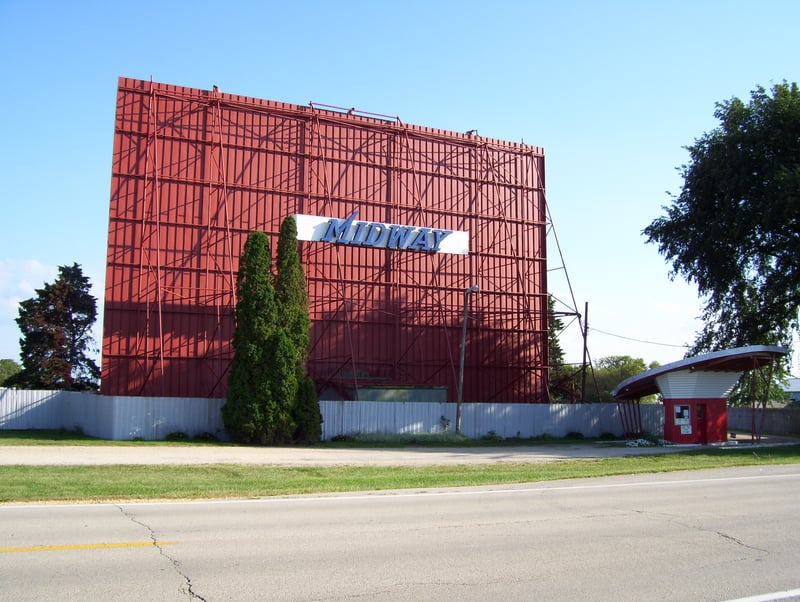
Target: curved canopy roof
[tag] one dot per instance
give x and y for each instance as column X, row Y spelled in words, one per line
column 739, row 359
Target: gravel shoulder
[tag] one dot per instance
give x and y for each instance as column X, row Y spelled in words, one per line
column 188, row 455
column 88, row 455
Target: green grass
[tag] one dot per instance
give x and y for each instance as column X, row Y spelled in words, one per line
column 121, row 482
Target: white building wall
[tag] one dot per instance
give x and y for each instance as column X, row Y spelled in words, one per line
column 690, row 384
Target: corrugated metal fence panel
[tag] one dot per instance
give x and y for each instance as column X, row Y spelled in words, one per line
column 505, row 420
column 20, row 410
column 71, row 410
column 479, row 419
column 353, row 417
column 556, row 420
column 153, row 418
column 113, row 418
column 653, row 418
column 779, row 421
column 89, row 413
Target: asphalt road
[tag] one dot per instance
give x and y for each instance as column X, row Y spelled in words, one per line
column 703, row 536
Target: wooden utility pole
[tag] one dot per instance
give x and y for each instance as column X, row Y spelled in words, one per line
column 585, row 331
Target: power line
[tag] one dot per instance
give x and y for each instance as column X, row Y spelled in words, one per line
column 619, row 336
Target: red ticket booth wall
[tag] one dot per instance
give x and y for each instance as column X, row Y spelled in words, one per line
column 696, row 420
column 695, row 404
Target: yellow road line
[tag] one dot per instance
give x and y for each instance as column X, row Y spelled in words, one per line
column 88, row 546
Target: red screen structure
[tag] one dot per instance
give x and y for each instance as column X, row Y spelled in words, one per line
column 194, row 171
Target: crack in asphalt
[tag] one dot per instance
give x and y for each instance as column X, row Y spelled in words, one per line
column 673, row 519
column 176, row 564
column 739, row 542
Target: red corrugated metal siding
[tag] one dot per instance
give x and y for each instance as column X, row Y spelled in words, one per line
column 194, row 171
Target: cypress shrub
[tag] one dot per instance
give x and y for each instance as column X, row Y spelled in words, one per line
column 248, row 410
column 292, row 297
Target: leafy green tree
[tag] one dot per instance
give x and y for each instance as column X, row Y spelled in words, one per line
column 761, row 387
column 612, row 370
column 734, row 229
column 256, row 408
column 292, row 298
column 56, row 335
column 758, row 389
column 8, row 368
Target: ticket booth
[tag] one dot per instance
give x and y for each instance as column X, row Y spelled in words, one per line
column 695, row 391
column 695, row 420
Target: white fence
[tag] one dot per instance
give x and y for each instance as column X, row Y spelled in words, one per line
column 153, row 418
column 114, row 418
column 479, row 419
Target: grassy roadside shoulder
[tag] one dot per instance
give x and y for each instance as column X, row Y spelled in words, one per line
column 88, row 484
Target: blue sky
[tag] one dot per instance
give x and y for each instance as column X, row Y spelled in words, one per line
column 613, row 91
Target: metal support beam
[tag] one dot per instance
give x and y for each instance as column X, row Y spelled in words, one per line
column 473, row 289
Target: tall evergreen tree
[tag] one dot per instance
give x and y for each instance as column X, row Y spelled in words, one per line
column 292, row 296
column 56, row 327
column 307, row 415
column 283, row 387
column 290, row 289
column 255, row 411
